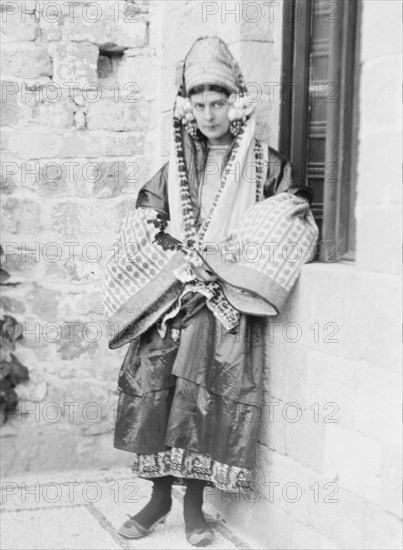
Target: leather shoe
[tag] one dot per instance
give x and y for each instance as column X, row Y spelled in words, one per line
column 200, row 537
column 131, row 529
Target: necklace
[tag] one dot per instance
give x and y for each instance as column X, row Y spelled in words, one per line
column 218, row 147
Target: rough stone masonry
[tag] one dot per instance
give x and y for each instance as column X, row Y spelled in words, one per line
column 77, row 127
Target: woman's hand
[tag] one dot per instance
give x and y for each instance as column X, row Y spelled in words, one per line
column 204, row 274
column 200, row 268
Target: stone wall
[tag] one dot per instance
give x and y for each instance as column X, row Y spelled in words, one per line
column 87, row 96
column 329, row 466
column 79, row 106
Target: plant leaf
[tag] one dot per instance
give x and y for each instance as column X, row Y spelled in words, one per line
column 5, row 369
column 18, row 373
column 5, row 385
column 4, row 276
column 10, row 400
column 11, row 329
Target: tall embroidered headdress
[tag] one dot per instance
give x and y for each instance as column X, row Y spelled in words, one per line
column 209, row 61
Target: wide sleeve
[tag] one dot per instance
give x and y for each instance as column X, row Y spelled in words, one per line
column 283, row 177
column 139, row 282
column 154, row 194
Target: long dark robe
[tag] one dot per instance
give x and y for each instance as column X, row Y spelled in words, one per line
column 192, row 407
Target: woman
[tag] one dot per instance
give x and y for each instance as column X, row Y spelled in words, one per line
column 191, row 384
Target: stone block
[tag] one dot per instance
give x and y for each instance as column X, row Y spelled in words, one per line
column 21, row 107
column 26, row 61
column 266, row 519
column 262, row 21
column 285, row 484
column 76, row 63
column 47, row 178
column 380, row 30
column 21, row 216
column 22, row 145
column 92, row 221
column 378, row 319
column 305, row 439
column 76, row 271
column 35, row 390
column 273, row 428
column 17, row 27
column 92, row 304
column 170, row 88
column 266, row 118
column 379, row 99
column 390, row 497
column 44, row 302
column 377, row 229
column 184, row 20
column 378, row 404
column 43, row 143
column 298, row 306
column 234, row 20
column 120, row 144
column 19, row 262
column 166, row 133
column 57, row 115
column 105, row 179
column 49, row 30
column 108, row 114
column 137, row 76
column 263, row 76
column 381, row 530
column 340, row 521
column 350, row 331
column 9, row 8
column 107, row 456
column 74, row 391
column 124, row 207
column 61, row 436
column 287, row 373
column 36, row 350
column 112, row 26
column 9, row 168
column 331, row 383
column 311, row 539
column 354, row 460
column 378, row 144
column 67, row 367
column 324, row 326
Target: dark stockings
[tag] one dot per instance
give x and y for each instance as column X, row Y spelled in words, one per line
column 192, row 506
column 160, row 503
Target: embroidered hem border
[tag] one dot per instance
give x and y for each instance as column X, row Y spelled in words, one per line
column 190, row 464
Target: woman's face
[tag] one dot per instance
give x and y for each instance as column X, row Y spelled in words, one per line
column 210, row 110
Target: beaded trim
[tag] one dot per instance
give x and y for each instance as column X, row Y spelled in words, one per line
column 191, row 464
column 217, row 302
column 259, row 170
column 187, row 208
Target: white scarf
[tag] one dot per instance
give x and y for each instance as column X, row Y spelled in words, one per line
column 238, row 194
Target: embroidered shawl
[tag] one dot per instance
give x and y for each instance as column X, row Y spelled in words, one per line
column 153, row 269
